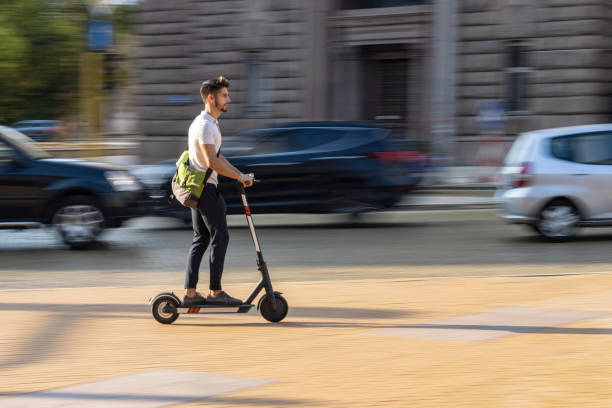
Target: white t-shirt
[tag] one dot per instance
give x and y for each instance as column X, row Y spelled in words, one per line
column 203, row 130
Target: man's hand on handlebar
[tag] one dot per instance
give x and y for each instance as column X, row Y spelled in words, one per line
column 247, row 179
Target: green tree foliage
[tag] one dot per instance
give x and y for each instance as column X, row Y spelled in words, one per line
column 40, row 46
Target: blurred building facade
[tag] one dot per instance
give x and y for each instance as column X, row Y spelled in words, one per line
column 423, row 67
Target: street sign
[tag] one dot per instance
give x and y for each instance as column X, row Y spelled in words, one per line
column 100, row 35
column 491, row 114
column 179, row 99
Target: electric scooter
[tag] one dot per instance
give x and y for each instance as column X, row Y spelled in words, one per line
column 166, row 307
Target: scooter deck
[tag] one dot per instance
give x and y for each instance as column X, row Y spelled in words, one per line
column 203, row 308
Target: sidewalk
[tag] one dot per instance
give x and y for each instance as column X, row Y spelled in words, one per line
column 447, row 342
column 455, row 187
column 462, row 177
column 449, row 199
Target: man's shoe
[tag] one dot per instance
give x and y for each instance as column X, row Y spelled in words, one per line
column 223, row 299
column 193, row 301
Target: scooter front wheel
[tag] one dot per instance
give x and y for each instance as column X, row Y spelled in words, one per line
column 274, row 316
column 164, row 309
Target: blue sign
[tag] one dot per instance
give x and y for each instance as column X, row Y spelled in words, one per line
column 100, row 35
column 491, row 114
column 179, row 99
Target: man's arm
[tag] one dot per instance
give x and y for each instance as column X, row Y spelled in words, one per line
column 223, row 167
column 222, row 157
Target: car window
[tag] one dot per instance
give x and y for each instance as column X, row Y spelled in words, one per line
column 560, row 148
column 274, row 143
column 242, row 143
column 7, row 154
column 25, row 144
column 295, row 140
column 591, row 148
column 303, row 139
column 594, row 148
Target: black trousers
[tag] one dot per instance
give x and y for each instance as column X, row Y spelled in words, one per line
column 209, row 227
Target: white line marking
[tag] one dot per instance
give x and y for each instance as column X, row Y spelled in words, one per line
column 150, row 389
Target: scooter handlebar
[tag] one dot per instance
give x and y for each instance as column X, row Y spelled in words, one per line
column 241, row 186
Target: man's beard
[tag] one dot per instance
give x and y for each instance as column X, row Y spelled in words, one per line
column 222, row 108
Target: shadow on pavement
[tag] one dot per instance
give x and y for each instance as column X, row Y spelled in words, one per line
column 288, row 323
column 65, row 316
column 50, row 334
column 76, row 309
column 342, row 313
column 99, row 309
column 535, row 239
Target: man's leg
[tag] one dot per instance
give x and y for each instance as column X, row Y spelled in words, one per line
column 216, row 222
column 201, row 239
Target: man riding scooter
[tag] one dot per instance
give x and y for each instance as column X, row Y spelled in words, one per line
column 209, row 218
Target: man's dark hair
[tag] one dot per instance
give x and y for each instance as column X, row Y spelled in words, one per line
column 212, row 86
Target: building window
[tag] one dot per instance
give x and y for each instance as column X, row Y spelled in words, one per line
column 255, row 106
column 516, row 74
column 363, row 4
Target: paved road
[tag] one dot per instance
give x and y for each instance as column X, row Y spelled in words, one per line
column 400, row 244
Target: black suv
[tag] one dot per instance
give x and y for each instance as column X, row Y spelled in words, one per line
column 307, row 167
column 79, row 198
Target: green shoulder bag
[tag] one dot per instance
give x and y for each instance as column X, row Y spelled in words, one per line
column 188, row 182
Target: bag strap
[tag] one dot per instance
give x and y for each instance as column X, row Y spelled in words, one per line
column 209, row 171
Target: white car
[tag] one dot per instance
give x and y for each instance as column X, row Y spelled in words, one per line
column 556, row 180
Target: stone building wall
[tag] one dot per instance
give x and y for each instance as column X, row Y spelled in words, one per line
column 306, row 60
column 268, row 44
column 567, row 74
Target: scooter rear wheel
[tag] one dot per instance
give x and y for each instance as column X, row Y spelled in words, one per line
column 160, row 312
column 274, row 316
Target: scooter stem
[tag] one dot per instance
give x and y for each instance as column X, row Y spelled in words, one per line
column 261, row 264
column 247, row 213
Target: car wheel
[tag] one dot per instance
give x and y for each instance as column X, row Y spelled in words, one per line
column 558, row 221
column 79, row 220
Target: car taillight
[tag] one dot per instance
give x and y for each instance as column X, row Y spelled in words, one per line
column 524, row 177
column 398, row 156
column 57, row 129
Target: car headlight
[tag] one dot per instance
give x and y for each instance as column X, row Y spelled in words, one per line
column 121, row 181
column 153, row 177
